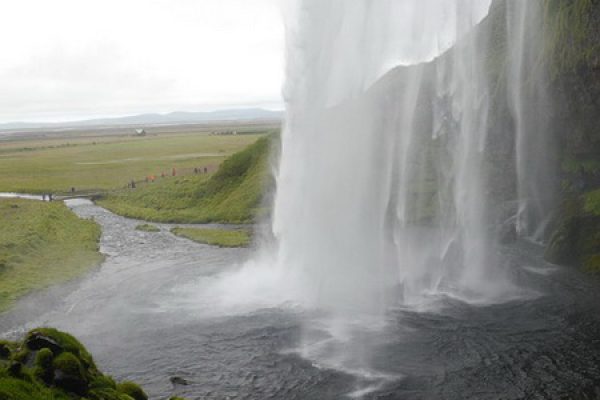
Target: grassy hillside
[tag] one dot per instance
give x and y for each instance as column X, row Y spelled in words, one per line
column 42, row 244
column 232, row 195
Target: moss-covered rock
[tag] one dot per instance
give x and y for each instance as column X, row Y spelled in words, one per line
column 133, row 390
column 58, row 342
column 43, row 365
column 69, row 374
column 44, row 358
column 592, row 202
column 5, row 349
column 103, row 382
column 147, row 228
column 15, row 370
column 576, row 237
column 52, row 365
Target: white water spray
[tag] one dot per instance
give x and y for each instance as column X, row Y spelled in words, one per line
column 386, row 182
column 355, row 159
column 385, row 178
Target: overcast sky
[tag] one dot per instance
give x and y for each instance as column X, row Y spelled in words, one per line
column 73, row 59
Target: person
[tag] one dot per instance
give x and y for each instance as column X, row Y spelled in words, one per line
column 72, row 190
column 132, row 184
column 43, row 196
column 49, row 196
column 205, row 170
column 195, row 170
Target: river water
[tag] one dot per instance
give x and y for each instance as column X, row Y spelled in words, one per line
column 144, row 317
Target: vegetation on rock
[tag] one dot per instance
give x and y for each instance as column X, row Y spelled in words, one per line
column 49, row 364
column 215, row 237
column 574, row 50
column 569, row 37
column 133, row 390
column 576, row 237
column 147, row 228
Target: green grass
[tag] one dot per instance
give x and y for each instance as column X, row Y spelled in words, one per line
column 44, row 165
column 232, row 195
column 42, row 244
column 215, row 237
column 147, row 228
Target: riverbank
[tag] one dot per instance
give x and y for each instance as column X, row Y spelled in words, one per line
column 107, row 309
column 42, row 244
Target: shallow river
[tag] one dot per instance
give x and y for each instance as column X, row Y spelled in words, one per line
column 143, row 317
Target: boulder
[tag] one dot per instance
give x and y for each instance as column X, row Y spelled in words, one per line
column 37, row 341
column 69, row 374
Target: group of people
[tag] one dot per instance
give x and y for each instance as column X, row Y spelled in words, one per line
column 46, row 196
column 151, row 178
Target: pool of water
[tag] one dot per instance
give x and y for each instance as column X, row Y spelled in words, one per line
column 146, row 314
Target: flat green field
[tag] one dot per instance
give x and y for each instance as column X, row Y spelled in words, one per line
column 42, row 244
column 109, row 162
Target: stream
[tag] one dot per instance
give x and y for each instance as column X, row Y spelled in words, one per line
column 143, row 316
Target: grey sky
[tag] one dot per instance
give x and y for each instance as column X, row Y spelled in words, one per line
column 72, row 59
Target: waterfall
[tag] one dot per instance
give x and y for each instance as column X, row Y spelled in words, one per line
column 387, row 185
column 410, row 152
column 530, row 103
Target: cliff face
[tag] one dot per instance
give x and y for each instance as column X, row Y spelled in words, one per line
column 542, row 131
column 575, row 85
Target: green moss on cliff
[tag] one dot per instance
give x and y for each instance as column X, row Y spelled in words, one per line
column 576, row 165
column 567, row 32
column 592, row 202
column 576, row 238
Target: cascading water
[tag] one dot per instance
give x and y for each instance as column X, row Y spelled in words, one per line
column 385, row 188
column 393, row 157
column 530, row 103
column 364, row 162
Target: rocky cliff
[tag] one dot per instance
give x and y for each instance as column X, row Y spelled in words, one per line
column 574, row 56
column 547, row 150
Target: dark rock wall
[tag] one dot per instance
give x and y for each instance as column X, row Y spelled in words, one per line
column 575, row 84
column 561, row 97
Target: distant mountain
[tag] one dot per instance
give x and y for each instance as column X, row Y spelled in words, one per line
column 178, row 117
